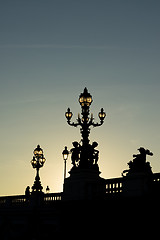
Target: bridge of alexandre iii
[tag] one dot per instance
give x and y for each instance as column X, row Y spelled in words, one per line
column 89, row 204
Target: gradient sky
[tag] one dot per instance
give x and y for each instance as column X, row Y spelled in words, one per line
column 49, row 51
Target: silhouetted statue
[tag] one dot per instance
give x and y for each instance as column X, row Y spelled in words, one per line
column 93, row 153
column 139, row 163
column 27, row 192
column 75, row 153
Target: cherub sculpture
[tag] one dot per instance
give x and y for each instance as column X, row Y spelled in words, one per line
column 75, row 153
column 93, row 153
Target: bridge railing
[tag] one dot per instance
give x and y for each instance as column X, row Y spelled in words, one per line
column 22, row 200
column 12, row 200
column 114, row 185
column 52, row 197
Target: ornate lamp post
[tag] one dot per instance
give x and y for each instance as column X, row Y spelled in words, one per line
column 86, row 151
column 37, row 162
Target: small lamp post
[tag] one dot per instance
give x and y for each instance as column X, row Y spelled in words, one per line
column 47, row 189
column 65, row 154
column 37, row 162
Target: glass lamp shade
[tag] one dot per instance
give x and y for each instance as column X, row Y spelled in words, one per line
column 65, row 153
column 102, row 114
column 38, row 152
column 34, row 162
column 42, row 161
column 85, row 98
column 68, row 114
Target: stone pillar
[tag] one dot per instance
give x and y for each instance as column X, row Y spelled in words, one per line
column 84, row 184
column 136, row 184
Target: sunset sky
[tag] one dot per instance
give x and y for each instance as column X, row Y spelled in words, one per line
column 50, row 50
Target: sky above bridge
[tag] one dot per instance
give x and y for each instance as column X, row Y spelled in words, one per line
column 49, row 52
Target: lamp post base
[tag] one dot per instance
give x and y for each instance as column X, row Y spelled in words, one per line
column 84, row 184
column 37, row 187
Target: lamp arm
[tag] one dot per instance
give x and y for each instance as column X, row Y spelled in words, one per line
column 97, row 124
column 73, row 124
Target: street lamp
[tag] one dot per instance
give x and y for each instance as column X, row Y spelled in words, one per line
column 102, row 115
column 47, row 189
column 37, row 162
column 65, row 154
column 85, row 122
column 68, row 114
